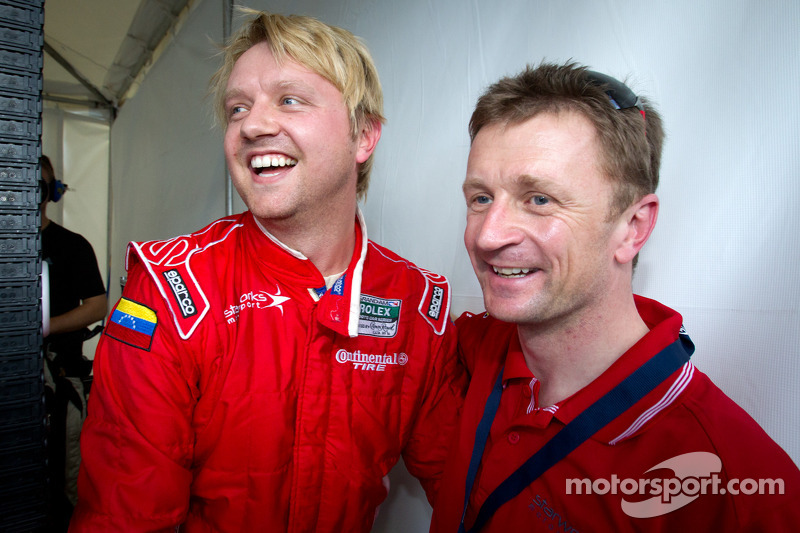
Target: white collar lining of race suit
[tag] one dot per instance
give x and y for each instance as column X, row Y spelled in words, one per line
column 355, row 285
column 291, row 251
column 330, row 280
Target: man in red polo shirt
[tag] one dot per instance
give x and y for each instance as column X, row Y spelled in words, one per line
column 584, row 412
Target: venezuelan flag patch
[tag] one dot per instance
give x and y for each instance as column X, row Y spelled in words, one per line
column 133, row 324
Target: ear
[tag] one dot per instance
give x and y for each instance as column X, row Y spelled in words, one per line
column 368, row 139
column 637, row 223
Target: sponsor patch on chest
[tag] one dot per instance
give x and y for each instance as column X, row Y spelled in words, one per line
column 370, row 361
column 252, row 301
column 379, row 317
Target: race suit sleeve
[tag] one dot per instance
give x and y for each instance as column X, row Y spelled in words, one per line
column 137, row 441
column 426, row 452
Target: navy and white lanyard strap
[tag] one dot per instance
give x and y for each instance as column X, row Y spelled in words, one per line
column 615, row 402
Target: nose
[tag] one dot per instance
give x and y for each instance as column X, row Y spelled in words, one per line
column 261, row 120
column 496, row 227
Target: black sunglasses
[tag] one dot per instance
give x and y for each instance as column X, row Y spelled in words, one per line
column 620, row 95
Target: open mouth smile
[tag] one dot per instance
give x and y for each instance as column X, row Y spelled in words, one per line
column 263, row 163
column 512, row 272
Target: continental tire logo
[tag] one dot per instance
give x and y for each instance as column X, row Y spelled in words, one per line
column 370, row 361
column 181, row 293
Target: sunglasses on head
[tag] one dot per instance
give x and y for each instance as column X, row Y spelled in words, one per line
column 620, row 95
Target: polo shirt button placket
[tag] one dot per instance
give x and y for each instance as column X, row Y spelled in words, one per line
column 513, row 437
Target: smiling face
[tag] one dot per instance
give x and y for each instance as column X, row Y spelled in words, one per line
column 288, row 141
column 538, row 233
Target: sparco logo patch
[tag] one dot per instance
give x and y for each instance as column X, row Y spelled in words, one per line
column 181, row 293
column 379, row 317
column 435, row 308
column 371, row 361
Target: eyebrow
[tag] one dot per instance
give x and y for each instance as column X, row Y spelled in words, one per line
column 292, row 85
column 285, row 85
column 471, row 183
column 232, row 93
column 525, row 181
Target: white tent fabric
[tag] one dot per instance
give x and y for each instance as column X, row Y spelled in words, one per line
column 723, row 73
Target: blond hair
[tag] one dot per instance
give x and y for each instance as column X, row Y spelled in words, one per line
column 334, row 53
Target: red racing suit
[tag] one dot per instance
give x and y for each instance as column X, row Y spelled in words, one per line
column 232, row 392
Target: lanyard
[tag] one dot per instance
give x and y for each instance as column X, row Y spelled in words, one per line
column 615, row 402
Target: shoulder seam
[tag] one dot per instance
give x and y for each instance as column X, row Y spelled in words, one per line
column 175, row 254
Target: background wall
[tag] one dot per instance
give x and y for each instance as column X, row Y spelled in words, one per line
column 724, row 74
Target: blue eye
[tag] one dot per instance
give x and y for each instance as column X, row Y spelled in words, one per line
column 540, row 200
column 482, row 199
column 290, row 101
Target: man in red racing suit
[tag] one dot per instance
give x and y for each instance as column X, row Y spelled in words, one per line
column 268, row 371
column 280, row 407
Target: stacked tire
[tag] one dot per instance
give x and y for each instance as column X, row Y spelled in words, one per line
column 23, row 474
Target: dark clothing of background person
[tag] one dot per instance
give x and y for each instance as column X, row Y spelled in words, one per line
column 73, row 277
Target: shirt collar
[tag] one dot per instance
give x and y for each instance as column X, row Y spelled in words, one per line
column 515, row 366
column 664, row 324
column 339, row 307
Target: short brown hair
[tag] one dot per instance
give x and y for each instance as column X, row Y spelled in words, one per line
column 630, row 145
column 334, row 53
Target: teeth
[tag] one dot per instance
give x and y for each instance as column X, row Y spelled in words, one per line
column 267, row 161
column 511, row 272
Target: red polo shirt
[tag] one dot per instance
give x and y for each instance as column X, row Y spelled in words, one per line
column 701, row 444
